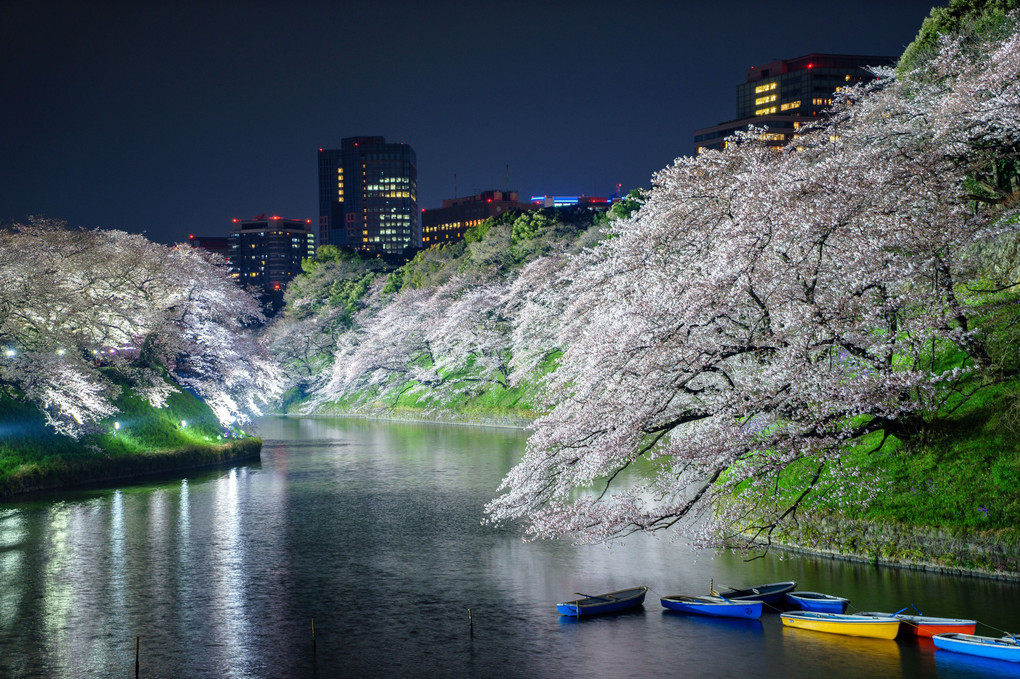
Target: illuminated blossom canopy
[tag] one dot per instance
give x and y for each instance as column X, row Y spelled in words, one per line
column 767, row 317
column 77, row 304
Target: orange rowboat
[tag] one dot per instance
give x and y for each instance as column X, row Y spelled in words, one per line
column 928, row 626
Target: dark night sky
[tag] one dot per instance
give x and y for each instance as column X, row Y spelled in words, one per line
column 172, row 117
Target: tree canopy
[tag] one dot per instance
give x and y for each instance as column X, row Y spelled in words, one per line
column 82, row 312
column 765, row 318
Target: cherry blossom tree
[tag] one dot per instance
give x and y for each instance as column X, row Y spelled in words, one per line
column 766, row 317
column 76, row 305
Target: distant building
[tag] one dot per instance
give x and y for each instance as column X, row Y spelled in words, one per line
column 447, row 224
column 368, row 196
column 784, row 95
column 596, row 203
column 218, row 244
column 266, row 252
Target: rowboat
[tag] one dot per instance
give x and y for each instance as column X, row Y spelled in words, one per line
column 600, row 604
column 772, row 593
column 926, row 625
column 841, row 623
column 712, row 605
column 1005, row 648
column 816, row 601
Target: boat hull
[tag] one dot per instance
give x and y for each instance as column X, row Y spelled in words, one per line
column 813, row 601
column 773, row 593
column 983, row 647
column 603, row 604
column 713, row 606
column 850, row 625
column 928, row 626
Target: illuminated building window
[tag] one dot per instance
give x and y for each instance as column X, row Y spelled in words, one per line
column 764, row 100
column 765, row 111
column 767, row 87
column 773, row 136
column 790, row 104
column 821, row 102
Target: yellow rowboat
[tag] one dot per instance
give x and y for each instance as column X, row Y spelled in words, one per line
column 841, row 623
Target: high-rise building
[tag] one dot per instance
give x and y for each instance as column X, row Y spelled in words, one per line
column 266, row 252
column 447, row 224
column 786, row 94
column 368, row 196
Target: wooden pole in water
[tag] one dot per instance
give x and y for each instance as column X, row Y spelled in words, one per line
column 313, row 636
column 138, row 642
column 471, row 621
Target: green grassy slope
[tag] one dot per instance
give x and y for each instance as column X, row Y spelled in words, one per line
column 148, row 441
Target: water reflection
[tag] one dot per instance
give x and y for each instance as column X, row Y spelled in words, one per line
column 373, row 530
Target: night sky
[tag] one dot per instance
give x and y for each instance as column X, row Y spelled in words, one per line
column 171, row 118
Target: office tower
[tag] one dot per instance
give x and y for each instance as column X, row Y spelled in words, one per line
column 368, row 196
column 786, row 94
column 266, row 253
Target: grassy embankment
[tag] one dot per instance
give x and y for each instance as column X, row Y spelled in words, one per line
column 149, row 441
column 483, row 402
column 950, row 493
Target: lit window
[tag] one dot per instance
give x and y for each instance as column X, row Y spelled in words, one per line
column 765, row 111
column 764, row 100
column 767, row 87
column 790, row 104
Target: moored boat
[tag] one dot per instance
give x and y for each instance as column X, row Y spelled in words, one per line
column 600, row 604
column 927, row 625
column 841, row 623
column 816, row 601
column 1005, row 648
column 773, row 593
column 712, row 605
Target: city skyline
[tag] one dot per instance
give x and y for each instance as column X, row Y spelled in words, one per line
column 173, row 120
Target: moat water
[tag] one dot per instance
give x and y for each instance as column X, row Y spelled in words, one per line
column 372, row 530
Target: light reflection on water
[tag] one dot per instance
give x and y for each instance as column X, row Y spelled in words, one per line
column 373, row 530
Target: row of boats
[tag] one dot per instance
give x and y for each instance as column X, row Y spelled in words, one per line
column 810, row 610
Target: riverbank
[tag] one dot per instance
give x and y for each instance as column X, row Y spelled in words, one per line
column 951, row 551
column 432, row 416
column 140, row 441
column 67, row 472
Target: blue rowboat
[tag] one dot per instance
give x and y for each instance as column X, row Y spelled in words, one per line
column 816, row 601
column 712, row 605
column 1005, row 648
column 611, row 602
column 772, row 593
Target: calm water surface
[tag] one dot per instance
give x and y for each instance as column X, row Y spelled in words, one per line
column 372, row 530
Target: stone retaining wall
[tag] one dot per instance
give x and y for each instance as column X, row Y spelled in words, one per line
column 994, row 554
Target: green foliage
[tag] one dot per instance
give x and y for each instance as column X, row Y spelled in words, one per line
column 477, row 233
column 432, row 267
column 622, row 209
column 336, row 279
column 394, row 282
column 345, row 293
column 969, row 17
column 528, row 225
